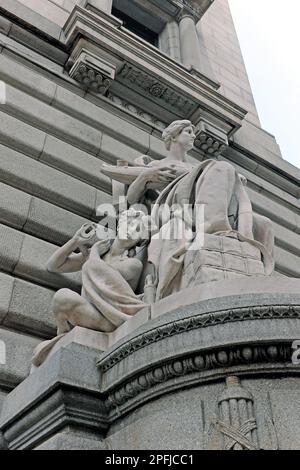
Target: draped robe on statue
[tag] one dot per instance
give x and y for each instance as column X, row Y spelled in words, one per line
column 214, row 189
column 105, row 288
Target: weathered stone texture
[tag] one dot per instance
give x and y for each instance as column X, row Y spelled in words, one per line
column 222, row 57
column 19, row 350
column 54, row 138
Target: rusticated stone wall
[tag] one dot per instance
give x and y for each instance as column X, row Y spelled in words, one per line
column 53, row 139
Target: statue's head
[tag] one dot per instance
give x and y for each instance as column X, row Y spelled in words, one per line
column 133, row 227
column 181, row 133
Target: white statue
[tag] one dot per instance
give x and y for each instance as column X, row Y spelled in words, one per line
column 219, row 206
column 110, row 275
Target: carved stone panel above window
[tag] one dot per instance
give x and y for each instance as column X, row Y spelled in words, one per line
column 104, row 55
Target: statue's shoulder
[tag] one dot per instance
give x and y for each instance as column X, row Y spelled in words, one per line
column 144, row 160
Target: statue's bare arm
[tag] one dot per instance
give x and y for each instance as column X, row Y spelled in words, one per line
column 64, row 260
column 157, row 174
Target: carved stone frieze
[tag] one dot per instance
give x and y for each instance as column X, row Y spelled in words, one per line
column 191, row 364
column 144, row 76
column 139, row 112
column 155, row 89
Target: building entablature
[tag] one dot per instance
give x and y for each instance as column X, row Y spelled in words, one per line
column 106, row 58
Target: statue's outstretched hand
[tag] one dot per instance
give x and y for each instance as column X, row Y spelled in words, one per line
column 85, row 235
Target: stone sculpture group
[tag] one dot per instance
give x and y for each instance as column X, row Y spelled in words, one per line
column 186, row 223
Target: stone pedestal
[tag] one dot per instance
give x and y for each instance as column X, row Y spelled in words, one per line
column 210, row 369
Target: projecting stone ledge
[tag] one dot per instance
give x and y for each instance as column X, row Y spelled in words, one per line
column 165, row 382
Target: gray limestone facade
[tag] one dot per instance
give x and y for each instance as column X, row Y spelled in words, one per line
column 80, row 87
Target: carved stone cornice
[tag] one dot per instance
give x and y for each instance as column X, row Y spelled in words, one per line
column 163, row 377
column 193, row 323
column 145, row 76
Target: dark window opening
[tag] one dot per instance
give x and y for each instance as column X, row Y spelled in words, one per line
column 136, row 27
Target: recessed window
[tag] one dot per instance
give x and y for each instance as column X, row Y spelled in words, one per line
column 137, row 28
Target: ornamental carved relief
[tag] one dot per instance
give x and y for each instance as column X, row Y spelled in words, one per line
column 144, row 82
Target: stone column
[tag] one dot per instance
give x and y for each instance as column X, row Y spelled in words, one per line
column 189, row 43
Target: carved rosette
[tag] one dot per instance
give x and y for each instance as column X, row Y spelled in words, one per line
column 163, row 94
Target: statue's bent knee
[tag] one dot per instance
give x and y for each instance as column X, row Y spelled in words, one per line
column 61, row 300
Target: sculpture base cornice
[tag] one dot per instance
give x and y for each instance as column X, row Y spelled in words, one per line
column 94, row 381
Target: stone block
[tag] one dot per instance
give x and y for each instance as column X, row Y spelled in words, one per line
column 69, row 4
column 75, row 162
column 26, row 79
column 32, row 265
column 48, row 10
column 21, row 136
column 43, row 181
column 51, row 120
column 264, row 205
column 287, row 263
column 30, row 309
column 6, row 289
column 275, row 178
column 14, row 206
column 5, row 25
column 287, row 239
column 157, row 147
column 2, row 398
column 27, row 14
column 71, row 441
column 10, row 247
column 114, row 150
column 52, row 223
column 19, row 350
column 258, row 142
column 288, row 436
column 94, row 114
column 74, row 366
